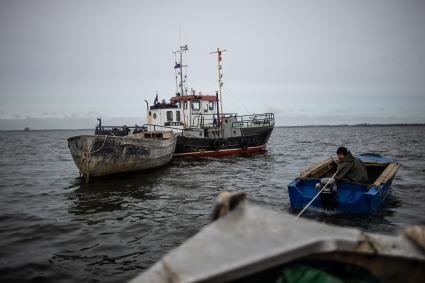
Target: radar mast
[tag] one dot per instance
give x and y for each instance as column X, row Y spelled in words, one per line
column 178, row 67
column 220, row 76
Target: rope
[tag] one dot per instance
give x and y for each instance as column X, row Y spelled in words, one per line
column 301, row 212
column 87, row 158
column 99, row 149
column 240, row 101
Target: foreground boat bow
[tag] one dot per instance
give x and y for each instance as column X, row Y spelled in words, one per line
column 252, row 243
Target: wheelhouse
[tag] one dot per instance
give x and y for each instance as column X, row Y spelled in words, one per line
column 189, row 111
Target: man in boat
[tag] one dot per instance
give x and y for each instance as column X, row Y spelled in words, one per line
column 350, row 168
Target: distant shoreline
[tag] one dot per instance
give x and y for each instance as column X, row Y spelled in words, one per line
column 299, row 126
column 52, row 130
column 357, row 125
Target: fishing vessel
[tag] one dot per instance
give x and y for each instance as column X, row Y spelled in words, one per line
column 344, row 196
column 254, row 244
column 100, row 155
column 198, row 119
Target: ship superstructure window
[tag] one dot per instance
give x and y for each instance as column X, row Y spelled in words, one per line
column 178, row 116
column 211, row 105
column 195, row 105
column 205, row 106
column 169, row 115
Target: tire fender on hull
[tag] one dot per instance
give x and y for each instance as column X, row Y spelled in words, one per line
column 244, row 143
column 218, row 144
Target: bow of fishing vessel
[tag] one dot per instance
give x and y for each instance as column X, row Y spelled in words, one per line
column 202, row 127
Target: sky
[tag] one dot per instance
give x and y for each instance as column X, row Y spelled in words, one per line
column 65, row 63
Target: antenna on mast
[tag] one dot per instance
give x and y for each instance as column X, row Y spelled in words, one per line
column 179, row 69
column 220, row 76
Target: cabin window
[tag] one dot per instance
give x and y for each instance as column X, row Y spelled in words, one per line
column 178, row 116
column 205, row 106
column 169, row 115
column 185, row 105
column 195, row 105
column 211, row 105
column 154, row 115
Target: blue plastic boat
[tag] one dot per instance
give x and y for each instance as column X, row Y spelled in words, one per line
column 346, row 197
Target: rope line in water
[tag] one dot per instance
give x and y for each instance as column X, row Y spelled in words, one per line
column 301, row 212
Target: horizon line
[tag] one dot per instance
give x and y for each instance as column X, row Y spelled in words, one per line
column 279, row 126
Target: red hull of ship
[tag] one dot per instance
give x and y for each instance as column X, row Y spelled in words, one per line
column 222, row 152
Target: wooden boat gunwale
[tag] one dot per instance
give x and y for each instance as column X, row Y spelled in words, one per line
column 319, row 169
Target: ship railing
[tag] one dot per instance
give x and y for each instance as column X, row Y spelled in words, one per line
column 118, row 130
column 254, row 120
column 204, row 121
column 126, row 130
column 238, row 121
column 162, row 128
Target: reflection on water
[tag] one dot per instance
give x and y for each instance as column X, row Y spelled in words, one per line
column 113, row 193
column 54, row 227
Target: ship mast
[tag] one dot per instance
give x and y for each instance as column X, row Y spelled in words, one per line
column 179, row 66
column 220, row 76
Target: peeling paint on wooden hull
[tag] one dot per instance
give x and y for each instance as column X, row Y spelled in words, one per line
column 98, row 155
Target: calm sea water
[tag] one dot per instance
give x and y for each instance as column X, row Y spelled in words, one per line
column 56, row 228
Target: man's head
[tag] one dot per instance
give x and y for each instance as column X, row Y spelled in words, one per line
column 341, row 152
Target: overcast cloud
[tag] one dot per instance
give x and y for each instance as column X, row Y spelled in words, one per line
column 64, row 63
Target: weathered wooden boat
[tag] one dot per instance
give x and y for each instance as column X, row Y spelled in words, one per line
column 100, row 155
column 253, row 244
column 202, row 127
column 344, row 196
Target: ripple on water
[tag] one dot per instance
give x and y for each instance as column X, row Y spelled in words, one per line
column 56, row 228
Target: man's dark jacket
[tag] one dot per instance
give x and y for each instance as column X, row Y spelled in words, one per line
column 353, row 169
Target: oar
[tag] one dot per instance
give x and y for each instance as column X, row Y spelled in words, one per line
column 308, row 204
